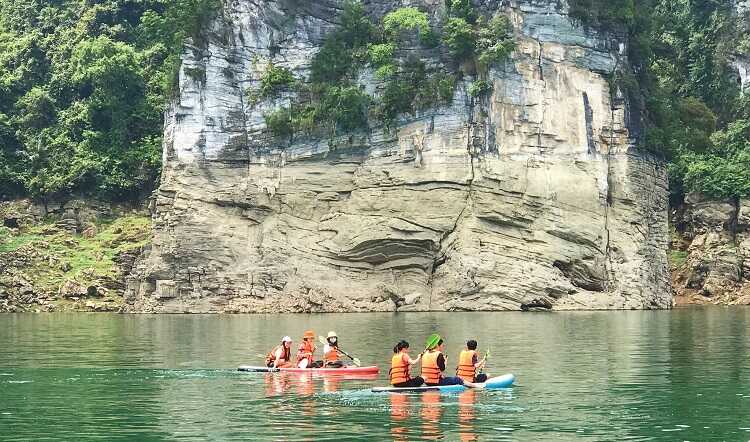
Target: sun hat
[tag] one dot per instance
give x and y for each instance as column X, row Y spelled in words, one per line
column 309, row 335
column 286, row 339
column 332, row 334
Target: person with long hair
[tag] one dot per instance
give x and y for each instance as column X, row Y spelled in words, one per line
column 280, row 356
column 400, row 364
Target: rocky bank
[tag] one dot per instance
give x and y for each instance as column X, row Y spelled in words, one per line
column 68, row 256
column 710, row 253
column 533, row 197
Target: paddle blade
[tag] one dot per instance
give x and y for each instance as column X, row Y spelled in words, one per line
column 357, row 362
column 431, row 341
column 322, row 340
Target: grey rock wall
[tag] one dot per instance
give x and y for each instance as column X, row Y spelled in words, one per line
column 531, row 198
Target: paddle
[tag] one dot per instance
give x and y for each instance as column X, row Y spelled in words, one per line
column 431, row 342
column 486, row 356
column 356, row 361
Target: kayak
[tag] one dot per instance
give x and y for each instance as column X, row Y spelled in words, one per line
column 503, row 381
column 327, row 371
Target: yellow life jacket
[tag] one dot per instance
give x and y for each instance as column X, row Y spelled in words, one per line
column 430, row 370
column 306, row 351
column 399, row 369
column 332, row 355
column 466, row 369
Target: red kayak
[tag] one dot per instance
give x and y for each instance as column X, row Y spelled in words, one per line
column 324, row 371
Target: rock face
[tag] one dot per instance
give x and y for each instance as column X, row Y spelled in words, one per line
column 531, row 197
column 714, row 238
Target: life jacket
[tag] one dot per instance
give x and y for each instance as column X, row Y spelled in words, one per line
column 466, row 369
column 332, row 355
column 306, row 351
column 271, row 358
column 399, row 369
column 430, row 370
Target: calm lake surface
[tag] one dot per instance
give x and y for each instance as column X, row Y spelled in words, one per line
column 679, row 375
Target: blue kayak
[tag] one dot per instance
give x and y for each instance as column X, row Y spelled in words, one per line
column 504, row 381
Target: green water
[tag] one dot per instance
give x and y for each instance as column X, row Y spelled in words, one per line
column 680, row 375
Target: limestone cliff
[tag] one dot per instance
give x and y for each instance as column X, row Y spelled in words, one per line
column 533, row 197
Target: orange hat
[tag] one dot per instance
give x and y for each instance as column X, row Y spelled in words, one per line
column 309, row 335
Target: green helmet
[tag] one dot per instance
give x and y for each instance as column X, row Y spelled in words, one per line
column 432, row 341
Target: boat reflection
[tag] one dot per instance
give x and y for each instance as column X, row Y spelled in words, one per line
column 431, row 412
column 331, row 384
column 305, row 390
column 275, row 385
column 466, row 415
column 304, row 384
column 399, row 414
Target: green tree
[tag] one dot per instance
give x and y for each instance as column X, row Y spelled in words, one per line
column 82, row 89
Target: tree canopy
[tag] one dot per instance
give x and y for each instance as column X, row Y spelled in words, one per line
column 83, row 85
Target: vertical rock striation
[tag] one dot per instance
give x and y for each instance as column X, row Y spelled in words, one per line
column 532, row 197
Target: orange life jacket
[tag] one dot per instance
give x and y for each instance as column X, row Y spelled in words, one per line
column 306, row 351
column 399, row 369
column 271, row 358
column 332, row 355
column 430, row 369
column 466, row 369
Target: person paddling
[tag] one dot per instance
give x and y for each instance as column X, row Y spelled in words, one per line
column 280, row 356
column 306, row 351
column 331, row 351
column 468, row 363
column 433, row 365
column 400, row 363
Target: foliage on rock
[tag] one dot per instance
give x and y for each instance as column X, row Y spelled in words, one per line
column 56, row 266
column 334, row 99
column 407, row 20
column 483, row 42
column 681, row 53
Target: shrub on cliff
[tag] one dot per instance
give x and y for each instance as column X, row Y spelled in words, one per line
column 485, row 42
column 604, row 13
column 494, row 41
column 722, row 170
column 406, row 20
column 460, row 38
column 332, row 102
column 274, row 80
